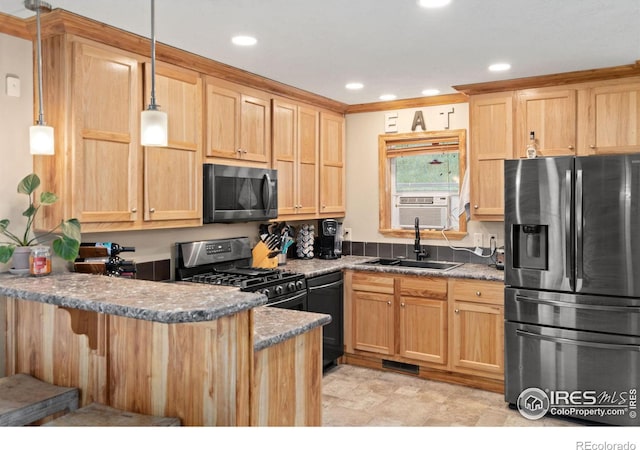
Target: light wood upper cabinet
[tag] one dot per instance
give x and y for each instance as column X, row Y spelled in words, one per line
column 102, row 174
column 610, row 118
column 238, row 123
column 106, row 100
column 491, row 140
column 477, row 327
column 551, row 113
column 332, row 159
column 180, row 94
column 295, row 143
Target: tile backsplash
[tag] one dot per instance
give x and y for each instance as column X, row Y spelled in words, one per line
column 436, row 252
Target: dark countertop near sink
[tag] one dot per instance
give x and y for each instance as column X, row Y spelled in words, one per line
column 314, row 267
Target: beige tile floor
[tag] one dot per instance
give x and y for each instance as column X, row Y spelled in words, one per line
column 359, row 397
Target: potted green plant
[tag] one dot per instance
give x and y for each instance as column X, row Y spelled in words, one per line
column 65, row 236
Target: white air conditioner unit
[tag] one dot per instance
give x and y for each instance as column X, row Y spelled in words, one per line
column 432, row 212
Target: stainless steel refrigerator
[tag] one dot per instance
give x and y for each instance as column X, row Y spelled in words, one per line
column 572, row 284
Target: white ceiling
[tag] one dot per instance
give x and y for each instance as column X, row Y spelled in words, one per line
column 391, row 46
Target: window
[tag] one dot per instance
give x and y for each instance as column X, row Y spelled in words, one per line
column 420, row 176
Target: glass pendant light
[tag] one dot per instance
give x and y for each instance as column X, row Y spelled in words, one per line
column 153, row 121
column 40, row 135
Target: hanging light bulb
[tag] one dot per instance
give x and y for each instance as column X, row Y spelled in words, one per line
column 40, row 135
column 153, row 122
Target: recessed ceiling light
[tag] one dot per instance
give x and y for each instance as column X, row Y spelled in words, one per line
column 433, row 3
column 429, row 92
column 244, row 41
column 354, row 86
column 499, row 67
column 387, row 97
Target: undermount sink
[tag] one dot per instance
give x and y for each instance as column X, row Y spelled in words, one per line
column 434, row 265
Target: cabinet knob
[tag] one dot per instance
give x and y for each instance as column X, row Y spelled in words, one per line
column 475, row 206
column 478, row 293
column 570, row 147
column 592, row 146
column 152, row 210
column 389, row 302
column 134, row 210
column 244, row 151
column 457, row 311
column 324, row 206
column 402, row 305
column 239, row 150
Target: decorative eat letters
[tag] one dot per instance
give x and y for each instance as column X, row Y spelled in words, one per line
column 418, row 119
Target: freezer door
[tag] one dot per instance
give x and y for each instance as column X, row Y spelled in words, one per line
column 538, row 223
column 605, row 366
column 608, row 225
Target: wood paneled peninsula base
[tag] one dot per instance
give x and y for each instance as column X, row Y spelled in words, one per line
column 206, row 354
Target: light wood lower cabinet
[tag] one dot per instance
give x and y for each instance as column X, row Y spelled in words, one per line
column 477, row 327
column 445, row 329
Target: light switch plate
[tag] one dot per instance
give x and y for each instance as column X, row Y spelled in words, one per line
column 13, row 86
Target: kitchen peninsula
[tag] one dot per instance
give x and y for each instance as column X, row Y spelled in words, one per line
column 206, row 354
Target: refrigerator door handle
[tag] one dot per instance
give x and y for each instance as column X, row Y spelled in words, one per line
column 612, row 308
column 567, row 228
column 557, row 340
column 579, row 230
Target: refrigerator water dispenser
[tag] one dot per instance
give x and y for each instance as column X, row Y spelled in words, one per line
column 530, row 246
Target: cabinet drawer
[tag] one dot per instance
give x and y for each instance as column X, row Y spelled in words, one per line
column 372, row 283
column 434, row 288
column 478, row 291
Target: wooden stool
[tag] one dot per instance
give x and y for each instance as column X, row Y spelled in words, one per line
column 98, row 415
column 25, row 399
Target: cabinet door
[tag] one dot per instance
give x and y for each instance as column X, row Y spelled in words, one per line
column 551, row 114
column 307, row 174
column 223, row 122
column 285, row 122
column 613, row 119
column 491, row 143
column 180, row 94
column 255, row 123
column 423, row 329
column 373, row 322
column 478, row 338
column 332, row 189
column 106, row 101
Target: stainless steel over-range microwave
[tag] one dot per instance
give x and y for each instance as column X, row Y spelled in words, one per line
column 239, row 194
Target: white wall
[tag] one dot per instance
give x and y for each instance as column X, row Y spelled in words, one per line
column 362, row 130
column 16, row 114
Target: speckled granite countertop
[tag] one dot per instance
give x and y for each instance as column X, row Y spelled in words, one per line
column 137, row 299
column 315, row 267
column 275, row 325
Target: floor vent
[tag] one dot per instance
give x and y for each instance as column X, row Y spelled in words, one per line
column 403, row 367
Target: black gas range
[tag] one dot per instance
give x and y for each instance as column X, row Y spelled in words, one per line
column 227, row 262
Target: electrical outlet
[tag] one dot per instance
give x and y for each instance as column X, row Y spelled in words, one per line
column 346, row 234
column 477, row 240
column 487, row 243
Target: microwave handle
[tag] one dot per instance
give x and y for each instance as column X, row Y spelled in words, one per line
column 266, row 192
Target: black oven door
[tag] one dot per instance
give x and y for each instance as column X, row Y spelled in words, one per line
column 297, row 301
column 239, row 194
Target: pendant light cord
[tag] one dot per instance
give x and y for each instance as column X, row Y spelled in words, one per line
column 152, row 105
column 39, row 50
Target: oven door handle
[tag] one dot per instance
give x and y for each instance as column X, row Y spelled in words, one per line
column 557, row 340
column 288, row 299
column 326, row 286
column 625, row 309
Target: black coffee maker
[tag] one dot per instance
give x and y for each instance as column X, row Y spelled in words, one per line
column 328, row 239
